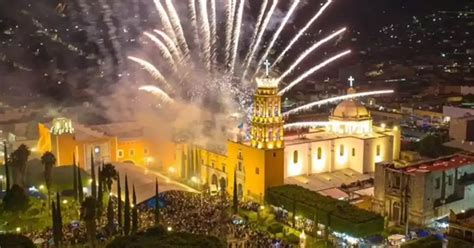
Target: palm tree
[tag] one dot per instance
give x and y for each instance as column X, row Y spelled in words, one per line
column 89, row 215
column 48, row 160
column 18, row 162
column 109, row 174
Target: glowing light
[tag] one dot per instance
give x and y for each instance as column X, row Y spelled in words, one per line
column 309, row 106
column 18, row 229
column 41, row 187
column 65, row 201
column 157, row 92
column 262, row 207
column 171, row 170
column 195, row 179
column 62, row 126
column 169, row 229
column 309, row 51
column 309, row 124
column 311, row 71
column 236, row 36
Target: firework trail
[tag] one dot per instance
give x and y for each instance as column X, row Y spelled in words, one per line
column 5, row 59
column 309, row 124
column 213, row 25
column 193, row 17
column 205, row 32
column 309, row 106
column 164, row 50
column 302, row 32
column 278, row 32
column 173, row 48
column 254, row 49
column 176, row 24
column 311, row 71
column 236, row 36
column 157, row 92
column 150, row 68
column 106, row 17
column 229, row 25
column 309, row 51
column 165, row 21
column 257, row 27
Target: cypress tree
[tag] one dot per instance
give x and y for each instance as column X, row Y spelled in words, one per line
column 59, row 215
column 110, row 216
column 235, row 197
column 294, row 212
column 134, row 211
column 7, row 167
column 79, row 185
column 126, row 217
column 74, row 176
column 119, row 202
column 100, row 193
column 157, row 201
column 93, row 185
column 54, row 218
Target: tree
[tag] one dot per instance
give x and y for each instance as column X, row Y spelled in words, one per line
column 100, row 195
column 15, row 240
column 93, row 184
column 110, row 216
column 59, row 215
column 119, row 203
column 74, row 178
column 235, row 197
column 7, row 166
column 18, row 162
column 134, row 212
column 57, row 226
column 157, row 201
column 109, row 174
column 89, row 215
column 293, row 220
column 15, row 199
column 48, row 160
column 79, row 185
column 126, row 214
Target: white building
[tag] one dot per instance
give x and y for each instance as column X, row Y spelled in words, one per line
column 348, row 141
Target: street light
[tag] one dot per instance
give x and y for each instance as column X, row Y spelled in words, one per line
column 169, row 229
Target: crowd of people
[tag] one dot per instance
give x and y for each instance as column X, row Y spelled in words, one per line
column 181, row 211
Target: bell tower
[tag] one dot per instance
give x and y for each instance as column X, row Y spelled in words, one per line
column 267, row 119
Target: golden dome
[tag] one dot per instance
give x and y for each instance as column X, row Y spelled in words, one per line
column 350, row 110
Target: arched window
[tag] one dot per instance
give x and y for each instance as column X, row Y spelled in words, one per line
column 295, row 157
column 378, row 150
column 353, row 152
column 320, row 153
column 341, row 150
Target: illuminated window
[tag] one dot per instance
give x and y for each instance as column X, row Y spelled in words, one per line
column 120, row 153
column 320, row 153
column 378, row 150
column 257, row 170
column 145, row 151
column 353, row 152
column 341, row 150
column 132, row 152
column 295, row 157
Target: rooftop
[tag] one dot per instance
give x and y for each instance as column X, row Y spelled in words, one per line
column 441, row 164
column 465, row 218
column 321, row 134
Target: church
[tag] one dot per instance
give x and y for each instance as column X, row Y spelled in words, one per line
column 349, row 140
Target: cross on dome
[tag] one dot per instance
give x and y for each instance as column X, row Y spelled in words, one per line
column 351, row 81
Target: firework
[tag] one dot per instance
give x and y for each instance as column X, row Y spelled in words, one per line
column 164, row 50
column 157, row 92
column 177, row 55
column 229, row 25
column 302, row 32
column 309, row 106
column 205, row 33
column 311, row 71
column 150, row 68
column 258, row 24
column 165, row 20
column 289, row 14
column 236, row 36
column 309, row 51
column 309, row 124
column 176, row 24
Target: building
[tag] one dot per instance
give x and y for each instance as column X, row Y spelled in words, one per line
column 461, row 131
column 423, row 192
column 349, row 140
column 461, row 228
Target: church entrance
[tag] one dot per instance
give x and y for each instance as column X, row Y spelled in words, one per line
column 222, row 184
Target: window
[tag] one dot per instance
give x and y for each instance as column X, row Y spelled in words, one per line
column 378, row 150
column 438, row 183
column 353, row 152
column 341, row 150
column 240, row 166
column 257, row 171
column 295, row 157
column 274, row 154
column 397, row 181
column 145, row 151
column 132, row 152
column 223, row 167
column 120, row 153
column 450, row 180
column 212, row 164
column 320, row 153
